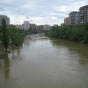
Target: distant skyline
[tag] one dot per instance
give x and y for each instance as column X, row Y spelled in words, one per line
column 39, row 11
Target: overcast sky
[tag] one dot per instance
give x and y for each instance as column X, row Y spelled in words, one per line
column 39, row 11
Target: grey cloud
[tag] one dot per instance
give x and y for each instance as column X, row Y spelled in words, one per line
column 41, row 11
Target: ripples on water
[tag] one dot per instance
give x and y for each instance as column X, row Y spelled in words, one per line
column 45, row 63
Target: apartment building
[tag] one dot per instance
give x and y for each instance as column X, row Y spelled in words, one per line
column 83, row 14
column 26, row 25
column 74, row 18
column 67, row 21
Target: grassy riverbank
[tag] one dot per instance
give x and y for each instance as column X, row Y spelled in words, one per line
column 78, row 33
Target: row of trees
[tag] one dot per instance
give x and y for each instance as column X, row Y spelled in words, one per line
column 10, row 35
column 78, row 33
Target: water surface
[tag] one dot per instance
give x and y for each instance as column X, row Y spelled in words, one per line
column 45, row 63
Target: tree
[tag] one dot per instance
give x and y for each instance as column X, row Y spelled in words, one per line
column 5, row 39
column 77, row 33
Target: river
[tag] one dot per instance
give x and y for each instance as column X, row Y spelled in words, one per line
column 45, row 63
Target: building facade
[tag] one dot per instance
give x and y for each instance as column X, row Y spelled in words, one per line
column 33, row 27
column 26, row 25
column 5, row 18
column 67, row 21
column 47, row 27
column 74, row 18
column 62, row 25
column 83, row 14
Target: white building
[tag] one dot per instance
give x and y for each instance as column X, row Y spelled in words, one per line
column 26, row 25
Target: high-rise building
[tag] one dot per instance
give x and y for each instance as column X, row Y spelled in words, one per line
column 5, row 18
column 83, row 14
column 26, row 25
column 74, row 18
column 67, row 21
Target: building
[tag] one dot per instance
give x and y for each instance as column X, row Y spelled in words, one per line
column 43, row 27
column 33, row 27
column 40, row 27
column 6, row 19
column 47, row 27
column 62, row 25
column 26, row 25
column 74, row 18
column 67, row 21
column 83, row 14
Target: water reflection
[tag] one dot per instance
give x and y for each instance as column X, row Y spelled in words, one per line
column 80, row 49
column 15, row 54
column 45, row 63
column 5, row 65
column 6, row 59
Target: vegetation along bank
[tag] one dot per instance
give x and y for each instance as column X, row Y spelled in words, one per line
column 78, row 33
column 10, row 36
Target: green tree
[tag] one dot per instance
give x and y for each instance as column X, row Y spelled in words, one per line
column 5, row 39
column 77, row 33
column 16, row 35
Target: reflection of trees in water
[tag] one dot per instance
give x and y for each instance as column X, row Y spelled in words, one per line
column 27, row 40
column 6, row 59
column 15, row 54
column 6, row 65
column 80, row 49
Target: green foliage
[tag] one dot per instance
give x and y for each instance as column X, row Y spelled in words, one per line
column 4, row 37
column 11, row 36
column 0, row 33
column 16, row 35
column 78, row 33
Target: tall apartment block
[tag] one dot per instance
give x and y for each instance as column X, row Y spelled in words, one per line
column 67, row 21
column 83, row 14
column 74, row 18
column 26, row 25
column 6, row 19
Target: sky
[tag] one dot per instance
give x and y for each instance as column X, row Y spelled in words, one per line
column 39, row 11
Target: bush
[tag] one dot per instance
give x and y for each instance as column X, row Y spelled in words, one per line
column 16, row 36
column 78, row 33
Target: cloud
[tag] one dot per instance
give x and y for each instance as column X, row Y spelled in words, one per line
column 39, row 11
column 14, row 19
column 1, row 9
column 71, row 7
column 30, row 5
column 46, row 20
column 57, row 14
